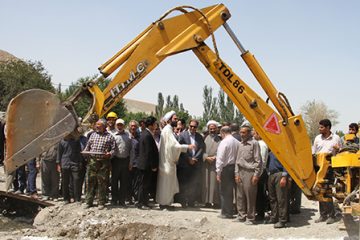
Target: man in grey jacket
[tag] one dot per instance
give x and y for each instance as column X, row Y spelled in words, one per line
column 247, row 174
column 120, row 165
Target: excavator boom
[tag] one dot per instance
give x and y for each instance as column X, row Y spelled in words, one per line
column 280, row 128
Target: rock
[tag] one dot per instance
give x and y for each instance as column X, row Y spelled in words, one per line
column 42, row 217
column 62, row 232
column 201, row 221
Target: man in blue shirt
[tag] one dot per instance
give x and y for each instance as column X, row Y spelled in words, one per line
column 278, row 192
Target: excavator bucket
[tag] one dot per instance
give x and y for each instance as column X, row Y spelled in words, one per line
column 35, row 121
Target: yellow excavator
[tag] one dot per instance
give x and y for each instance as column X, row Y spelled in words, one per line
column 36, row 119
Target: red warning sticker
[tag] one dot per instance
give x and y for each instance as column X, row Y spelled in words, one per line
column 272, row 124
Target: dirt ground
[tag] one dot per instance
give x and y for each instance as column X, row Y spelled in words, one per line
column 72, row 221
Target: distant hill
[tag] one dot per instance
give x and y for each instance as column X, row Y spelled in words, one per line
column 5, row 56
column 136, row 106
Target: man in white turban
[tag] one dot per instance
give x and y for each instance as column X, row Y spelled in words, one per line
column 210, row 192
column 170, row 149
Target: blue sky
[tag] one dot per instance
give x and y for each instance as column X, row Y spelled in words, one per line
column 309, row 49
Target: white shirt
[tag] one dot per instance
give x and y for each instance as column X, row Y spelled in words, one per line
column 326, row 145
column 192, row 141
column 226, row 153
column 264, row 152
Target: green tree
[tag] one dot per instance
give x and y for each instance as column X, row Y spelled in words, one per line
column 168, row 103
column 221, row 105
column 230, row 111
column 159, row 109
column 239, row 118
column 210, row 111
column 18, row 76
column 172, row 103
column 314, row 111
column 83, row 105
column 220, row 109
column 175, row 103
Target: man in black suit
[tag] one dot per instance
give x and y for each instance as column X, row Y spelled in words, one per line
column 189, row 166
column 148, row 161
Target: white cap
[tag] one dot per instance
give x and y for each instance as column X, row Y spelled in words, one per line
column 119, row 120
column 168, row 115
column 212, row 122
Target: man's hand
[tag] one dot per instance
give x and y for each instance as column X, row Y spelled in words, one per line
column 154, row 169
column 192, row 161
column 210, row 159
column 283, row 182
column 191, row 146
column 58, row 168
column 237, row 179
column 254, row 180
column 107, row 155
column 336, row 148
column 218, row 178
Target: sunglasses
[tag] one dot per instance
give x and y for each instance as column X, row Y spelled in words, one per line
column 192, row 126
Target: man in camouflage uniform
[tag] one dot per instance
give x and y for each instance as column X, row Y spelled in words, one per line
column 100, row 148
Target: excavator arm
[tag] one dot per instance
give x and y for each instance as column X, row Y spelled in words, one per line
column 283, row 131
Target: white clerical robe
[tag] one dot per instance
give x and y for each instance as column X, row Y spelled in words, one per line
column 167, row 182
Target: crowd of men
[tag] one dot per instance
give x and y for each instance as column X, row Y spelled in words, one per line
column 148, row 163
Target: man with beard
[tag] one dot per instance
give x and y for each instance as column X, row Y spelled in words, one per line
column 170, row 149
column 120, row 165
column 111, row 119
column 247, row 173
column 100, row 148
column 210, row 185
column 134, row 161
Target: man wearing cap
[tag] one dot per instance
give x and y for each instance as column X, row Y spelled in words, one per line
column 210, row 185
column 170, row 149
column 120, row 165
column 111, row 119
column 100, row 148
